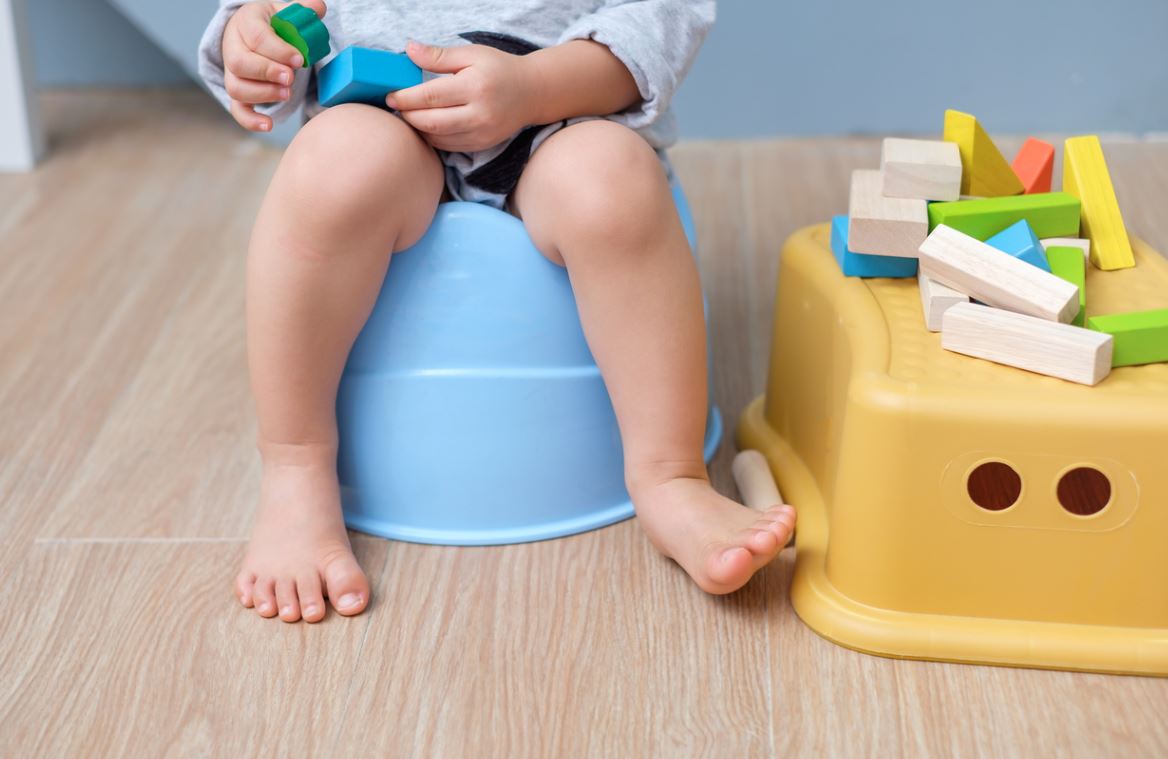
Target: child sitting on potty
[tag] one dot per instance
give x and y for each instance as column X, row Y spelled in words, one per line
column 556, row 110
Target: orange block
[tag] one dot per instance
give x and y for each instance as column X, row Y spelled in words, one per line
column 1034, row 165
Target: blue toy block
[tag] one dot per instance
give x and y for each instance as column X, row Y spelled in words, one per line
column 1020, row 241
column 863, row 264
column 363, row 75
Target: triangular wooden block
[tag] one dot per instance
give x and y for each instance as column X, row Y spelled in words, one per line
column 985, row 171
column 1034, row 166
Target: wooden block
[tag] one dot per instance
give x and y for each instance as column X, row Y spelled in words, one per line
column 1067, row 242
column 1037, row 345
column 996, row 278
column 1068, row 263
column 1051, row 214
column 1034, row 166
column 936, row 299
column 922, row 169
column 1020, row 242
column 860, row 265
column 364, row 75
column 984, row 170
column 1086, row 177
column 884, row 226
column 1141, row 337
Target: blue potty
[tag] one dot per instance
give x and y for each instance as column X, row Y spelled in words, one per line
column 471, row 411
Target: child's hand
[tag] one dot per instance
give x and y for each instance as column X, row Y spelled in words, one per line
column 486, row 101
column 259, row 65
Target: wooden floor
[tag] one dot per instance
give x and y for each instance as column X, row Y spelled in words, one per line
column 127, row 479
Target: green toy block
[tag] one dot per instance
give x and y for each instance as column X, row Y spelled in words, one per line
column 1050, row 214
column 1141, row 337
column 301, row 28
column 1068, row 263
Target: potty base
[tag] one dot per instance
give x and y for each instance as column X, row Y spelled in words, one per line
column 384, row 526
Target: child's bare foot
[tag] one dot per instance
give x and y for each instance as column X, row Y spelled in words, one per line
column 299, row 550
column 719, row 542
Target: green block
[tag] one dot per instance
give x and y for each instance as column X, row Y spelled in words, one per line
column 1050, row 214
column 301, row 28
column 1069, row 264
column 1141, row 337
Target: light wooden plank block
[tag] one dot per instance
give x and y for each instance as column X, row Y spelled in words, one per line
column 996, row 278
column 1082, row 244
column 1034, row 165
column 21, row 139
column 1085, row 176
column 883, row 226
column 1037, row 345
column 921, row 169
column 985, row 171
column 936, row 299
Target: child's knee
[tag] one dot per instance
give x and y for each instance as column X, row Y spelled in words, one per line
column 608, row 178
column 354, row 159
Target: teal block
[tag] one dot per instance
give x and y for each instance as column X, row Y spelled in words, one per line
column 1020, row 242
column 863, row 264
column 363, row 75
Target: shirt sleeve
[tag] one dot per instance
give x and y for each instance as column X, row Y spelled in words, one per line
column 211, row 68
column 657, row 40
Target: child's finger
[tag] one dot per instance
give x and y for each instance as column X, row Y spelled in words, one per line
column 248, row 65
column 440, row 121
column 436, row 93
column 441, row 60
column 257, row 34
column 251, row 91
column 247, row 117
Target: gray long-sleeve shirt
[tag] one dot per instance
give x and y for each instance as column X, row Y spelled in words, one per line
column 656, row 40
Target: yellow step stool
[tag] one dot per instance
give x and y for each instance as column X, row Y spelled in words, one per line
column 883, row 441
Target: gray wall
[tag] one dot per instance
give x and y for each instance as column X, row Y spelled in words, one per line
column 87, row 42
column 773, row 67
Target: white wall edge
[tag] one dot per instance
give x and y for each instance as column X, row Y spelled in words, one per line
column 22, row 142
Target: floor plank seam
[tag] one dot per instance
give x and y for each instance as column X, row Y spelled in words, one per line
column 133, row 541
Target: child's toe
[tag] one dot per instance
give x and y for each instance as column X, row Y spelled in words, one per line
column 759, row 542
column 244, row 588
column 311, row 597
column 286, row 600
column 729, row 567
column 265, row 597
column 348, row 590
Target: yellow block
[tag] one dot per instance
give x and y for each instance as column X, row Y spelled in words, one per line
column 874, row 431
column 985, row 172
column 1086, row 177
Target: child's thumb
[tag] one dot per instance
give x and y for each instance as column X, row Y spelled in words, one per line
column 440, row 60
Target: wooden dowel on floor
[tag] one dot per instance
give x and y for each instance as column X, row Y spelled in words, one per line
column 755, row 483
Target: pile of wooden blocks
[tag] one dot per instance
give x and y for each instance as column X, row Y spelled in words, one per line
column 969, row 225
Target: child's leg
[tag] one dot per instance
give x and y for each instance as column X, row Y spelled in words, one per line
column 356, row 184
column 596, row 199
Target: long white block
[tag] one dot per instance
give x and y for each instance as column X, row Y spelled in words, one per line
column 1037, row 345
column 936, row 299
column 995, row 278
